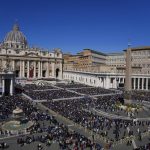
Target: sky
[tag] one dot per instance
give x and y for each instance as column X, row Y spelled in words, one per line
column 72, row 25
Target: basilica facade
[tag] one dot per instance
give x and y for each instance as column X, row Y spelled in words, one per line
column 27, row 62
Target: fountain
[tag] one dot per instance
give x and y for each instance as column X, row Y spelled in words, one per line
column 18, row 123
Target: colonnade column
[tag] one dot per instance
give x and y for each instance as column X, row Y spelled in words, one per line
column 11, row 87
column 138, row 83
column 39, row 70
column 107, row 85
column 3, row 86
column 28, row 68
column 23, row 68
column 114, row 83
column 20, row 69
column 53, row 69
column 146, row 83
column 60, row 72
column 142, row 83
column 13, row 65
column 47, row 69
column 34, row 75
column 134, row 80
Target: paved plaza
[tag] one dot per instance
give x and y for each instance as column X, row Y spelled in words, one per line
column 76, row 116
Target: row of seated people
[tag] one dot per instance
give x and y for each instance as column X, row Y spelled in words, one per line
column 71, row 85
column 94, row 91
column 29, row 87
column 49, row 95
column 44, row 124
column 143, row 147
column 80, row 112
column 140, row 95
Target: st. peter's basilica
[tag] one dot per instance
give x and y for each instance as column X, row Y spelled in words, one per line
column 26, row 62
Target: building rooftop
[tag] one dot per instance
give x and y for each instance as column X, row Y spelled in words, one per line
column 96, row 52
column 139, row 48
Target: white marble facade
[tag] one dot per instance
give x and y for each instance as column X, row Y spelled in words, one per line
column 108, row 80
column 29, row 62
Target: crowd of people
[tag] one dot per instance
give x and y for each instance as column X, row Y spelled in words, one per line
column 30, row 87
column 71, row 85
column 113, row 105
column 140, row 95
column 45, row 124
column 9, row 103
column 80, row 112
column 63, row 137
column 50, row 94
column 143, row 147
column 94, row 91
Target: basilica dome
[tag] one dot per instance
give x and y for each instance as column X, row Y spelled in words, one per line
column 15, row 38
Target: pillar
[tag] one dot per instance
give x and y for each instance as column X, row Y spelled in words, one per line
column 20, row 69
column 41, row 69
column 118, row 80
column 114, row 83
column 146, row 83
column 107, row 83
column 134, row 80
column 11, row 87
column 47, row 74
column 13, row 65
column 3, row 86
column 23, row 68
column 28, row 68
column 34, row 75
column 60, row 71
column 142, row 83
column 53, row 69
column 138, row 83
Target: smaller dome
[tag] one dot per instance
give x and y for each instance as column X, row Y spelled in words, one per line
column 15, row 38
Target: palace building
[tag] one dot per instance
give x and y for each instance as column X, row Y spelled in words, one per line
column 111, row 72
column 27, row 62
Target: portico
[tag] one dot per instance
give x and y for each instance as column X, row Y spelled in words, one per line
column 108, row 80
column 7, row 80
column 29, row 62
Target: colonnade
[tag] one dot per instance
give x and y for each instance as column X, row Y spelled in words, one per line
column 107, row 80
column 7, row 83
column 40, row 68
